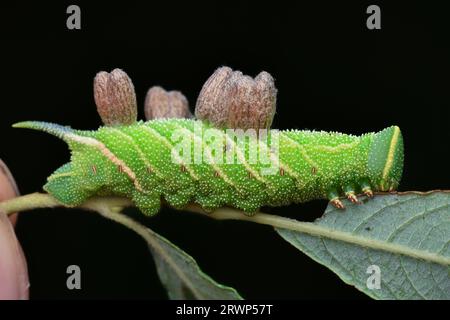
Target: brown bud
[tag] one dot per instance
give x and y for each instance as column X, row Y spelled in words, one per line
column 115, row 98
column 211, row 103
column 160, row 103
column 233, row 100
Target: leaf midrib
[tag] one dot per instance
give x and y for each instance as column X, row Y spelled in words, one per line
column 316, row 230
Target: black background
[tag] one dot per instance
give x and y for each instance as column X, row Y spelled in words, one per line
column 332, row 73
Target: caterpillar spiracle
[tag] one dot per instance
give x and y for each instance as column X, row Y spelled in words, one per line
column 140, row 162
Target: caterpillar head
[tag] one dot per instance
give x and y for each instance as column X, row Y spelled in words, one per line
column 385, row 161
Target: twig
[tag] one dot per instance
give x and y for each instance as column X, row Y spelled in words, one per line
column 104, row 205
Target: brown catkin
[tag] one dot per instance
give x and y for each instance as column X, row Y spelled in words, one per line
column 115, row 98
column 230, row 99
column 160, row 104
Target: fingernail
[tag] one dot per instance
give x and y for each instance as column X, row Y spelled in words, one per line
column 8, row 187
column 14, row 284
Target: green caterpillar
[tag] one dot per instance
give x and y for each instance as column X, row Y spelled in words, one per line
column 137, row 161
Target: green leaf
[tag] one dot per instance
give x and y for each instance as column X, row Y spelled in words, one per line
column 181, row 275
column 406, row 235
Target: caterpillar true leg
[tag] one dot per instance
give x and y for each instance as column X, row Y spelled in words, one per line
column 333, row 196
column 366, row 189
column 368, row 192
column 352, row 197
column 350, row 193
column 337, row 203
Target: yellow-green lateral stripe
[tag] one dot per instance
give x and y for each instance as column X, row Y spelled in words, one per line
column 391, row 153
